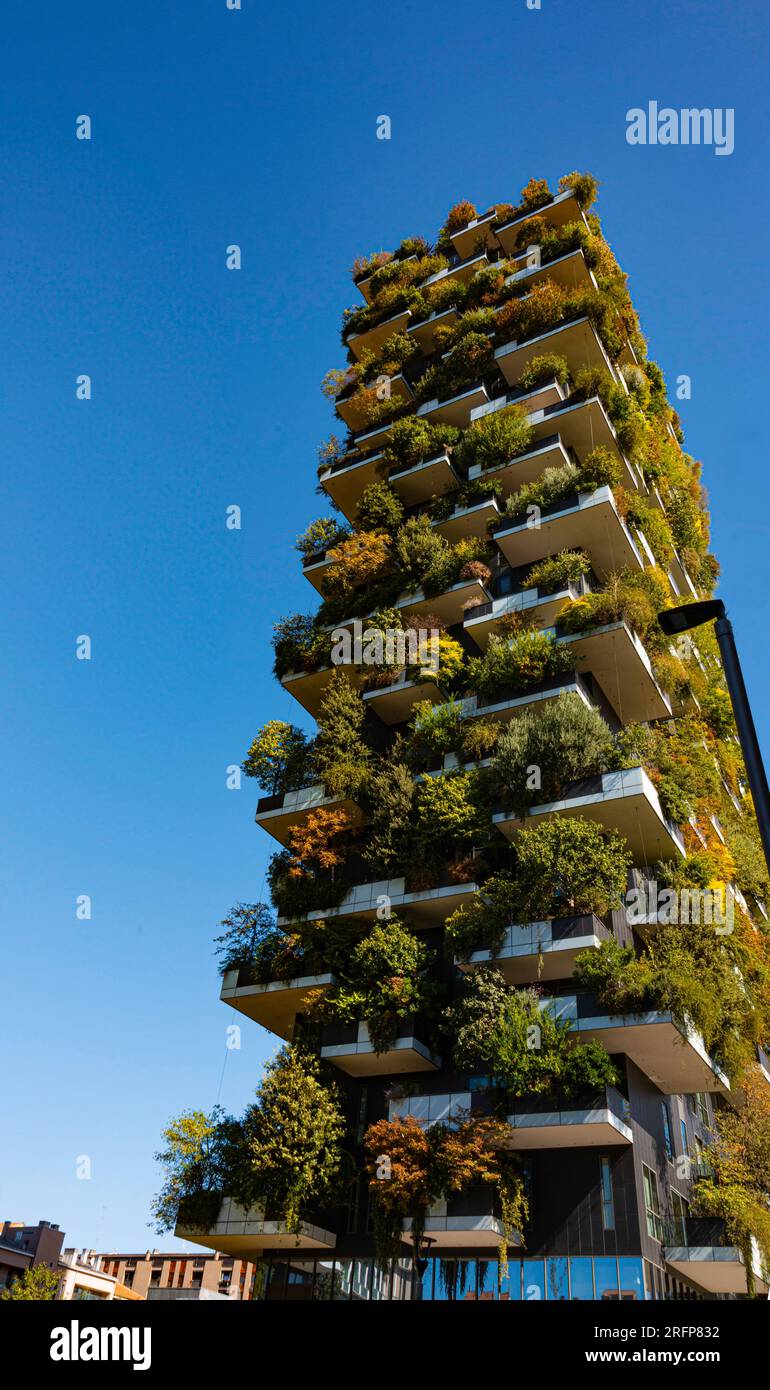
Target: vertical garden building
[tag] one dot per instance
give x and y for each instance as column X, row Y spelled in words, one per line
column 517, row 948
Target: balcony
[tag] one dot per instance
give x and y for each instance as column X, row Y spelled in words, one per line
column 447, row 1108
column 426, row 907
column 540, row 951
column 473, row 520
column 348, row 1046
column 699, row 1250
column 454, row 410
column 583, row 425
column 589, row 521
column 274, row 1005
column 562, row 209
column 469, row 1221
column 623, row 801
column 315, row 567
column 462, row 271
column 618, row 660
column 372, row 339
column 469, row 238
column 670, row 1053
column 570, row 271
column 364, row 283
column 596, row 1121
column 525, row 468
column 309, row 687
column 247, row 1234
column 393, row 703
column 352, row 406
column 542, row 606
column 448, row 606
column 549, row 394
column 577, row 341
column 505, row 706
column 423, row 331
column 346, row 482
column 280, row 813
column 420, row 481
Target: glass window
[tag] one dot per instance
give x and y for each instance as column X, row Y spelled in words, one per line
column 608, row 1204
column 534, row 1280
column 701, row 1105
column 668, row 1142
column 679, row 1213
column 652, row 1203
column 631, row 1279
column 299, row 1283
column 606, row 1275
column 557, row 1283
column 487, row 1279
column 342, row 1280
column 683, row 1137
column 361, row 1280
column 510, row 1282
column 581, row 1279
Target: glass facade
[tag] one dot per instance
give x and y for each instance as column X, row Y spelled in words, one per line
column 555, row 1279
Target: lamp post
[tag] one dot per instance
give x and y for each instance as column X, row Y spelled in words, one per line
column 676, row 620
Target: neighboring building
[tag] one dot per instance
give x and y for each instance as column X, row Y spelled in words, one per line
column 157, row 1276
column 25, row 1247
column 607, row 1174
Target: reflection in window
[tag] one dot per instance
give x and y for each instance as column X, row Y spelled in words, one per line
column 557, row 1281
column 510, row 1283
column 606, row 1275
column 608, row 1204
column 581, row 1278
column 455, row 1280
column 631, row 1278
column 534, row 1280
column 652, row 1203
column 668, row 1142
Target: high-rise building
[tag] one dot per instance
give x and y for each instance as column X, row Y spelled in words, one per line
column 520, row 934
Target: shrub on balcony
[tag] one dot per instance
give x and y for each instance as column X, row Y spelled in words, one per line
column 423, row 556
column 542, row 751
column 469, row 360
column 528, row 315
column 380, row 509
column 280, row 757
column 546, row 367
column 363, row 558
column 481, row 924
column 325, row 531
column 558, row 571
column 552, row 486
column 252, row 941
column 495, row 438
column 365, row 265
column 195, row 1160
column 600, row 468
column 452, row 816
column 737, row 1185
column 535, row 195
column 627, row 597
column 342, row 758
column 460, row 215
column 300, row 886
column 299, row 645
column 291, row 1153
column 517, row 664
column 384, row 982
column 435, row 731
column 584, row 186
column 390, row 833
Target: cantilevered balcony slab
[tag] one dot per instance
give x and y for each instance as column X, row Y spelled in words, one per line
column 372, row 339
column 424, row 330
column 448, row 606
column 427, row 907
column 353, row 408
column 562, row 209
column 346, row 482
column 274, row 1005
column 456, row 409
column 474, row 520
column 278, row 815
column 600, row 1122
column 623, row 801
column 537, row 951
column 357, row 1057
column 540, row 608
column 504, row 708
column 617, row 658
column 583, row 426
column 246, row 1234
column 715, row 1268
column 429, row 478
column 591, row 523
column 524, row 468
column 462, row 271
column 549, row 394
column 461, row 1232
column 315, row 569
column 478, row 232
column 309, row 687
column 571, row 271
column 394, row 703
column 672, row 1054
column 577, row 341
column 364, row 284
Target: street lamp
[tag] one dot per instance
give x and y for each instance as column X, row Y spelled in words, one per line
column 676, row 620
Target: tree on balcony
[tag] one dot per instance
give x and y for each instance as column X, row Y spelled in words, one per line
column 542, row 751
column 341, row 756
column 279, row 757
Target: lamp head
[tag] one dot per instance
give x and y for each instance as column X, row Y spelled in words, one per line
column 674, row 620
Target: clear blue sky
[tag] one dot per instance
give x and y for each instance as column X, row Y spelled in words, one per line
column 257, row 126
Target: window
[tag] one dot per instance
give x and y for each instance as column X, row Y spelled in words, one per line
column 608, row 1204
column 702, row 1109
column 652, row 1203
column 157, row 1270
column 668, row 1142
column 684, row 1137
column 679, row 1214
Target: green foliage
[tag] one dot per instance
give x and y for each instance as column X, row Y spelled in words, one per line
column 37, row 1284
column 495, row 438
column 195, row 1157
column 629, row 597
column 600, row 468
column 412, row 439
column 322, row 533
column 250, row 938
column 298, row 644
column 342, row 757
column 280, row 757
column 380, row 509
column 390, row 835
column 552, row 485
column 291, row 1152
column 569, row 866
column 584, row 186
column 518, row 664
column 542, row 751
column 423, row 556
column 465, row 363
column 295, row 890
column 451, row 814
column 542, row 368
column 557, row 571
column 385, row 981
column 436, row 730
column 481, row 924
